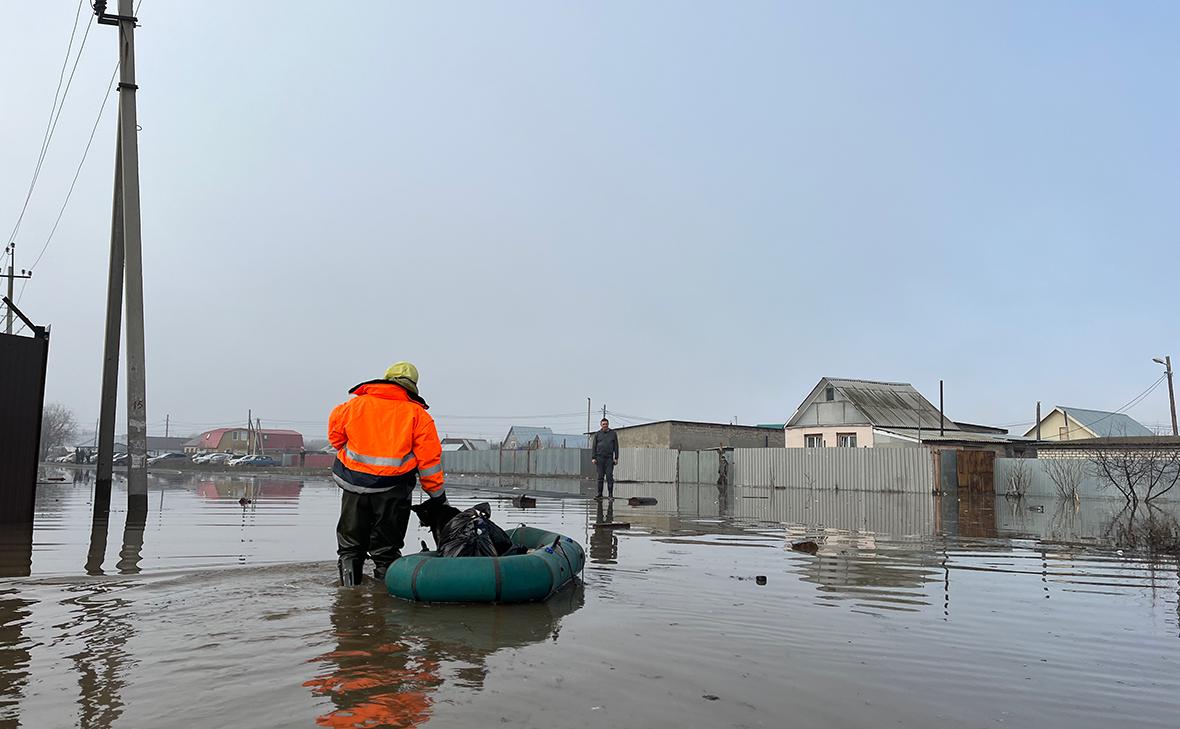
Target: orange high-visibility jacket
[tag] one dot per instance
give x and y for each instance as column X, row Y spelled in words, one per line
column 383, row 437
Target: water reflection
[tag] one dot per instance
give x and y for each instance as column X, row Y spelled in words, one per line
column 604, row 543
column 100, row 624
column 389, row 657
column 15, row 655
column 16, row 549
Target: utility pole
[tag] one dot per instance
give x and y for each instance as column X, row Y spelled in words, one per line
column 941, row 412
column 1038, row 419
column 588, row 430
column 12, row 275
column 167, row 418
column 258, row 436
column 249, row 432
column 604, row 411
column 1166, row 362
column 126, row 270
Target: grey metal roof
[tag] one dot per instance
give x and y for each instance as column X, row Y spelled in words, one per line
column 1106, row 424
column 890, row 404
column 522, row 435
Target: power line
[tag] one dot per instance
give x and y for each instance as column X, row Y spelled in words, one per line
column 106, row 97
column 51, row 124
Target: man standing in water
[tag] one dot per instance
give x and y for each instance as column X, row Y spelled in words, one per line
column 604, row 450
column 384, row 442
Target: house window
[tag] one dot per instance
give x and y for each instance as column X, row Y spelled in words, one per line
column 845, row 440
column 813, row 441
column 830, row 393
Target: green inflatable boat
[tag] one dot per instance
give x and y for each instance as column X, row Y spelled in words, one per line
column 551, row 562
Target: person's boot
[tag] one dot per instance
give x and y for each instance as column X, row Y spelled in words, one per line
column 352, row 571
column 379, row 568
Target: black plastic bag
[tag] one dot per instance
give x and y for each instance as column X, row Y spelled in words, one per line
column 472, row 533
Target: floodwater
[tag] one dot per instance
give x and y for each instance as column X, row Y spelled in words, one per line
column 914, row 612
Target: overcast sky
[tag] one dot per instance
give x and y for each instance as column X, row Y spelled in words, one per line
column 683, row 210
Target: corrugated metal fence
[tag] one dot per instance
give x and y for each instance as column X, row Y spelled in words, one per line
column 880, row 512
column 1037, row 482
column 653, row 465
column 905, row 470
column 541, row 462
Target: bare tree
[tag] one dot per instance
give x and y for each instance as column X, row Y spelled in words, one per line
column 57, row 427
column 1138, row 473
column 1066, row 474
column 1019, row 479
column 1151, row 530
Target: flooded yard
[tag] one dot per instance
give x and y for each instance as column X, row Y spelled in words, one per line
column 913, row 612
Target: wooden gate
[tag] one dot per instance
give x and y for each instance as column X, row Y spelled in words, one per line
column 977, row 471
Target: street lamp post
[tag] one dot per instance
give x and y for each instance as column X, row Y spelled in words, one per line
column 1167, row 363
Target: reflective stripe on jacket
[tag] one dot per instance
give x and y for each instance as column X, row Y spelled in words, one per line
column 383, row 437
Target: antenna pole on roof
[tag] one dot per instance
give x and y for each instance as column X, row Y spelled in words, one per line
column 588, row 428
column 1038, row 419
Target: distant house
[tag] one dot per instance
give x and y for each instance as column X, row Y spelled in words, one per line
column 1065, row 423
column 688, row 435
column 844, row 413
column 465, row 444
column 523, row 437
column 237, row 440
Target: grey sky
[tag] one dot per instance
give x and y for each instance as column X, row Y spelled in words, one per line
column 685, row 210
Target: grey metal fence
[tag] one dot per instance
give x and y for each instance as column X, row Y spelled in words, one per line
column 652, row 465
column 905, row 470
column 897, row 514
column 1038, row 482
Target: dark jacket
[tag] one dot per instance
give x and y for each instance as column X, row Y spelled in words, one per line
column 605, row 444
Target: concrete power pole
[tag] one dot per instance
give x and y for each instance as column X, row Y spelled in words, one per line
column 127, row 257
column 12, row 275
column 1166, row 362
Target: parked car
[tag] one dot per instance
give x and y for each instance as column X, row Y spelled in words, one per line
column 254, row 461
column 220, row 458
column 120, row 459
column 206, row 457
column 165, row 457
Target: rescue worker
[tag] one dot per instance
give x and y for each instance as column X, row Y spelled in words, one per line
column 384, row 441
column 604, row 450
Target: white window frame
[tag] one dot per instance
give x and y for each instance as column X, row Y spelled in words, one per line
column 842, row 440
column 813, row 440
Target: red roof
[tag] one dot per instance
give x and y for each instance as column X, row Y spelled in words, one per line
column 285, row 440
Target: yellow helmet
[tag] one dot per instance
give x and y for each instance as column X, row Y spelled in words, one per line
column 404, row 374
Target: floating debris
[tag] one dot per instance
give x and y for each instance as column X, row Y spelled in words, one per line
column 524, row 502
column 642, row 501
column 243, row 501
column 760, row 579
column 806, row 546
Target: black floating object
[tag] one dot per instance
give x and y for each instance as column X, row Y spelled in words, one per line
column 524, row 502
column 760, row 579
column 612, row 525
column 424, row 547
column 642, row 501
column 243, row 501
column 806, row 546
column 710, row 697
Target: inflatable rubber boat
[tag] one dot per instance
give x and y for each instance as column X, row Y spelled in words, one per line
column 551, row 562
